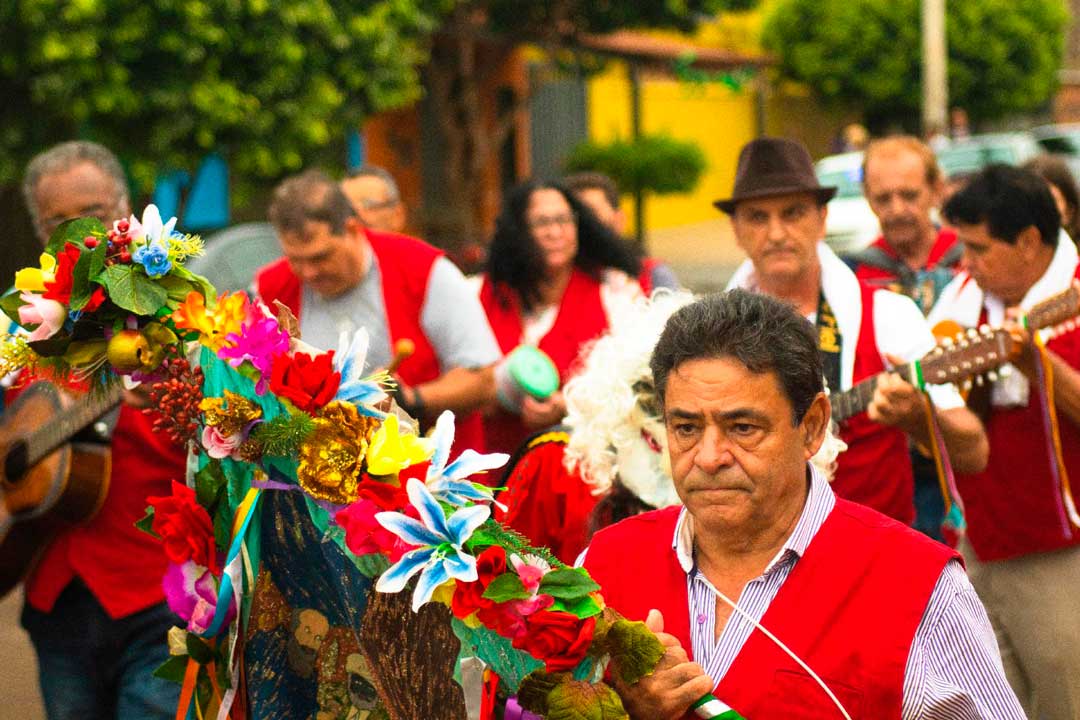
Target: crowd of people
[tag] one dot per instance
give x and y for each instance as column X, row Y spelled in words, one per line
column 914, row 560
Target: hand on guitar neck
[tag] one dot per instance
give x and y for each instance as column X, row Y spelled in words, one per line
column 897, row 403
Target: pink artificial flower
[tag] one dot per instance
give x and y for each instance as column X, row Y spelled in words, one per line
column 48, row 315
column 220, row 446
column 259, row 340
column 191, row 592
column 531, row 570
column 364, row 535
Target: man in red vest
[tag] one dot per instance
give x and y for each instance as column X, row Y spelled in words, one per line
column 95, row 608
column 1023, row 540
column 765, row 588
column 913, row 256
column 778, row 213
column 338, row 276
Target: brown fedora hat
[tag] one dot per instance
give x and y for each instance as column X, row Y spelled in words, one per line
column 774, row 166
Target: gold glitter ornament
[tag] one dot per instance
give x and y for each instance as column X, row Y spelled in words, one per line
column 229, row 414
column 331, row 456
column 15, row 354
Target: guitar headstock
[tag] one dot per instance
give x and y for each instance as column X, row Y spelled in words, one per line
column 1057, row 313
column 969, row 354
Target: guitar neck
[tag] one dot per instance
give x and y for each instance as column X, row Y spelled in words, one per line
column 45, row 440
column 851, row 402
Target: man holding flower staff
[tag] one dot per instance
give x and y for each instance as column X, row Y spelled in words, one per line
column 789, row 601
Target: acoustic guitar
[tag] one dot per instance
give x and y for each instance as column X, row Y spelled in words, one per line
column 970, row 355
column 47, row 484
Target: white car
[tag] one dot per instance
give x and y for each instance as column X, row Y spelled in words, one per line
column 851, row 224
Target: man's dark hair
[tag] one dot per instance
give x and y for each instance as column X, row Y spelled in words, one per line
column 311, row 196
column 762, row 333
column 515, row 259
column 1009, row 200
column 594, row 181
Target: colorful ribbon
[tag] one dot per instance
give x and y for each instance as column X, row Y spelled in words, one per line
column 710, row 708
column 954, row 523
column 1044, row 374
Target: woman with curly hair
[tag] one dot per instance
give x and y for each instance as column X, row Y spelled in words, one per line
column 553, row 273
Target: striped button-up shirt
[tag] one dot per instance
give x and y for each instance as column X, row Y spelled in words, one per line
column 954, row 671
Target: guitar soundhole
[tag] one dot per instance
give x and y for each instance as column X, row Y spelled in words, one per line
column 15, row 464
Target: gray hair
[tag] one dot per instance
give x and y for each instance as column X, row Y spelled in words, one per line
column 382, row 174
column 63, row 157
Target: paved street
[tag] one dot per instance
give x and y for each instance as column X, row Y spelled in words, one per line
column 18, row 676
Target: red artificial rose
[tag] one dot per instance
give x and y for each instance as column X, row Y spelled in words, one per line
column 59, row 288
column 185, row 527
column 469, row 596
column 386, row 495
column 305, row 381
column 364, row 535
column 559, row 638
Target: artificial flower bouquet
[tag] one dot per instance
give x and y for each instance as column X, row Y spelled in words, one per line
column 100, row 304
column 262, row 412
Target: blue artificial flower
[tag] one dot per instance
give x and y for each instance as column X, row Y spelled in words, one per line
column 154, row 258
column 440, row 555
column 349, row 361
column 447, row 482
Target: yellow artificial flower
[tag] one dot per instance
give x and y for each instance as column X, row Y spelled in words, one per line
column 391, row 452
column 212, row 324
column 34, row 279
column 445, row 593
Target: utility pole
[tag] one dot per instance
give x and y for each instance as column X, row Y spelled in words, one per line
column 935, row 86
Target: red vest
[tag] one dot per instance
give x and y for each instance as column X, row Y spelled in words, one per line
column 122, row 566
column 1014, row 507
column 405, row 266
column 875, row 470
column 859, row 570
column 580, row 318
column 878, row 276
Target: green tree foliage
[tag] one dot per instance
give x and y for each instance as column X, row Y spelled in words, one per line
column 164, row 81
column 1003, row 54
column 652, row 163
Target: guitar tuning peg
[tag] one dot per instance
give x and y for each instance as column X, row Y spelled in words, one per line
column 992, row 376
column 939, row 350
column 986, row 331
column 966, row 385
column 979, row 380
column 947, row 342
column 1004, row 371
column 973, row 334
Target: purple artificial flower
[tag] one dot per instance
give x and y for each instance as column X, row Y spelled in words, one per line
column 258, row 342
column 191, row 592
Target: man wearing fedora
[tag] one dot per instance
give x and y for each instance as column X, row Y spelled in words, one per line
column 778, row 212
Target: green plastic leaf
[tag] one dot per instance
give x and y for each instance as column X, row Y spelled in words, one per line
column 577, row 700
column 371, row 565
column 209, row 482
column 635, row 651
column 506, row 587
column 90, row 264
column 130, row 289
column 199, row 651
column 533, row 692
column 583, row 607
column 146, row 522
column 172, row 669
column 568, row 583
column 73, row 231
column 512, row 664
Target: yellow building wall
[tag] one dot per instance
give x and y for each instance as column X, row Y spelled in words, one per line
column 715, row 117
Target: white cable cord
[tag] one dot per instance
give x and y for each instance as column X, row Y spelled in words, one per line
column 746, row 616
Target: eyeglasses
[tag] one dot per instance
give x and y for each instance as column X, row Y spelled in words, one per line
column 544, row 221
